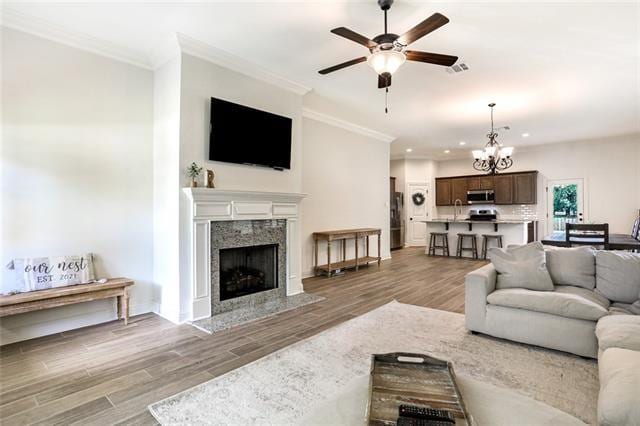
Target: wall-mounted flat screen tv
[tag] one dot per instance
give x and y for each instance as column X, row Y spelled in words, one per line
column 243, row 135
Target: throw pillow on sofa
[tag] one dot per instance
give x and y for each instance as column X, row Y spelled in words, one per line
column 572, row 266
column 618, row 275
column 521, row 267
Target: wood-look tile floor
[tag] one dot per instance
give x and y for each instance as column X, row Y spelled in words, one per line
column 109, row 373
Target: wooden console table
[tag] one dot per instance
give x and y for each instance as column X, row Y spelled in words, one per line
column 343, row 235
column 51, row 298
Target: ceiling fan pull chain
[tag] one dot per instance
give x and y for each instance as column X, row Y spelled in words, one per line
column 386, row 100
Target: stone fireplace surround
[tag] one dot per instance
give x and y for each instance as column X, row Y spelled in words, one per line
column 210, row 206
column 247, row 233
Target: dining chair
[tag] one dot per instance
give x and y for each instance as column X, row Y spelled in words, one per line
column 635, row 231
column 581, row 234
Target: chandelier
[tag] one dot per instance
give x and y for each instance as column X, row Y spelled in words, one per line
column 494, row 157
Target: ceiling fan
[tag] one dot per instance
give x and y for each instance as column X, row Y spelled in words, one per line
column 388, row 50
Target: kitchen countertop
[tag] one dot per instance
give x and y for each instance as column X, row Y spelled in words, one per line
column 499, row 221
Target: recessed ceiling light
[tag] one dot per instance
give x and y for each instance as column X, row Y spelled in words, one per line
column 525, row 135
column 446, row 151
column 463, row 143
column 409, row 149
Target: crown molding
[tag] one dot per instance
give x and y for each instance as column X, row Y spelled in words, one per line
column 178, row 43
column 45, row 29
column 225, row 59
column 338, row 122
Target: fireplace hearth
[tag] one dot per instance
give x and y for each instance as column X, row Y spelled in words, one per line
column 248, row 270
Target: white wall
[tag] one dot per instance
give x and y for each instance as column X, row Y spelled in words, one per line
column 76, row 171
column 201, row 80
column 346, row 175
column 610, row 168
column 166, row 187
column 397, row 171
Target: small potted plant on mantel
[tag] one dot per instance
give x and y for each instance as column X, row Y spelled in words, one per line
column 194, row 171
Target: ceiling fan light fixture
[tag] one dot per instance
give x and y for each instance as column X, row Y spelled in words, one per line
column 386, row 61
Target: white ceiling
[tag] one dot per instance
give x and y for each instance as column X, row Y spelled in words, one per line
column 559, row 72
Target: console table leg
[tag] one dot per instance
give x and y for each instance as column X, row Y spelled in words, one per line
column 379, row 254
column 329, row 258
column 119, row 306
column 356, row 244
column 367, row 246
column 315, row 265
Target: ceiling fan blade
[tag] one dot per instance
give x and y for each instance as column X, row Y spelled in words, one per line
column 353, row 36
column 343, row 65
column 430, row 58
column 384, row 80
column 430, row 24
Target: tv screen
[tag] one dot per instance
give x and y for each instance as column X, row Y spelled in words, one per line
column 244, row 135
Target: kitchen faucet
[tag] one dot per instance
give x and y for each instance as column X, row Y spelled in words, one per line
column 455, row 210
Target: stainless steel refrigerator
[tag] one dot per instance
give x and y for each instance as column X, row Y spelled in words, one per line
column 397, row 220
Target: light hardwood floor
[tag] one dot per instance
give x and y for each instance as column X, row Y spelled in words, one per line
column 109, row 373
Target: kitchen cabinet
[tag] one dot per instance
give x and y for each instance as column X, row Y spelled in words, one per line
column 443, row 192
column 525, row 188
column 459, row 190
column 509, row 188
column 480, row 182
column 503, row 187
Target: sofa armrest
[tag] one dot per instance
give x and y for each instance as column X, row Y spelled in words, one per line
column 478, row 285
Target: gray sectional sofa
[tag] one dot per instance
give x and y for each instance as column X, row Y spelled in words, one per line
column 591, row 309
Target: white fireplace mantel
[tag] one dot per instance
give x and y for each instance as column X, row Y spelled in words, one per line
column 209, row 204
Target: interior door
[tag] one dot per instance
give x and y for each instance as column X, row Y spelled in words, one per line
column 416, row 213
column 565, row 203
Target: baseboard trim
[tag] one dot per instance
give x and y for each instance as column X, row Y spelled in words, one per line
column 68, row 322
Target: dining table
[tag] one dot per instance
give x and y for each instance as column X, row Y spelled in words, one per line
column 616, row 241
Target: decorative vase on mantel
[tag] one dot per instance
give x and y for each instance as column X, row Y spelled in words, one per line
column 194, row 183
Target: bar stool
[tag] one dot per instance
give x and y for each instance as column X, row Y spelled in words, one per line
column 433, row 243
column 485, row 240
column 473, row 249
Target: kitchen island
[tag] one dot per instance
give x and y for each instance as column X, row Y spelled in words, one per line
column 513, row 231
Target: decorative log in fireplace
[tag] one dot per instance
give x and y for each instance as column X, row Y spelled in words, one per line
column 248, row 270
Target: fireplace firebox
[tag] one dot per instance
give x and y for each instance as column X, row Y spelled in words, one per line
column 248, row 270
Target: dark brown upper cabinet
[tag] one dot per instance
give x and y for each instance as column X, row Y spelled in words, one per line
column 480, row 182
column 503, row 187
column 510, row 188
column 443, row 192
column 525, row 190
column 459, row 190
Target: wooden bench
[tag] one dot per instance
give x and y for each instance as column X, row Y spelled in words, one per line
column 51, row 298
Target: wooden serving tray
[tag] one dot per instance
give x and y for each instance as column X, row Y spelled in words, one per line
column 412, row 379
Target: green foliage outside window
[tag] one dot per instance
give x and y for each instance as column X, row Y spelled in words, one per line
column 565, row 200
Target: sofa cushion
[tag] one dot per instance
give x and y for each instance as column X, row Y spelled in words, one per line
column 565, row 301
column 574, row 266
column 619, row 331
column 521, row 267
column 618, row 275
column 625, row 308
column 619, row 399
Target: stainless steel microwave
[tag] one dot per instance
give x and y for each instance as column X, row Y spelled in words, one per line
column 481, row 196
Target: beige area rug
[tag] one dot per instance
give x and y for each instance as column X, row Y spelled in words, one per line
column 284, row 387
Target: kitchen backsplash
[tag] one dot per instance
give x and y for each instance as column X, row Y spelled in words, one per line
column 524, row 211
